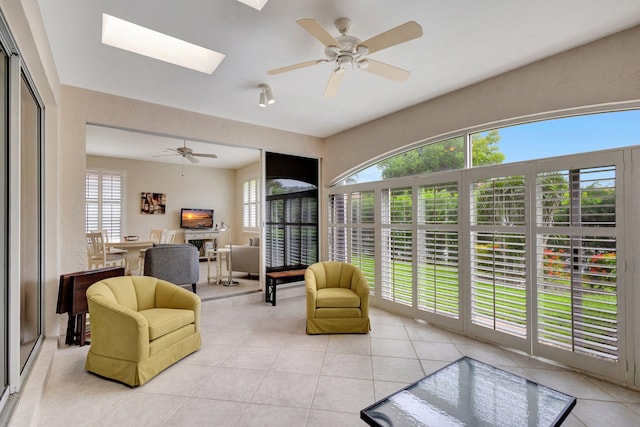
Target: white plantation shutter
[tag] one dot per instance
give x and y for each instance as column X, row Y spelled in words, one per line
column 363, row 244
column 437, row 262
column 104, row 202
column 577, row 261
column 397, row 246
column 92, row 201
column 250, row 206
column 337, row 226
column 498, row 255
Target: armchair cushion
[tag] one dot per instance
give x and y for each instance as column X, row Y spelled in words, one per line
column 337, row 298
column 139, row 327
column 161, row 321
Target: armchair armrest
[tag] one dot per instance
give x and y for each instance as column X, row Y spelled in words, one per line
column 361, row 288
column 132, row 343
column 311, row 291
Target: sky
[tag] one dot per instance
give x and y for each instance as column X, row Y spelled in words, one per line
column 557, row 137
column 572, row 135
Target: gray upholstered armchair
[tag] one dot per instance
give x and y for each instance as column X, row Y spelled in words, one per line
column 245, row 258
column 178, row 264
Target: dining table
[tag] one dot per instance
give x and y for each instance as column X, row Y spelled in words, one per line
column 132, row 248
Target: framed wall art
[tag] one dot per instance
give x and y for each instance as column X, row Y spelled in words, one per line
column 153, row 203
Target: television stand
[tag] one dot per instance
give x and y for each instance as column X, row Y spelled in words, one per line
column 197, row 238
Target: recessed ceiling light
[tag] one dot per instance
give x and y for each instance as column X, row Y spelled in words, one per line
column 125, row 35
column 256, row 4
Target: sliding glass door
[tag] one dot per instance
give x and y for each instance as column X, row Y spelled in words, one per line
column 30, row 221
column 4, row 283
column 22, row 198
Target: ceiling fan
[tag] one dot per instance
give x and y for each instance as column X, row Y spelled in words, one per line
column 186, row 153
column 347, row 51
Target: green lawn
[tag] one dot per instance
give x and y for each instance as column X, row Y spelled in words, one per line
column 596, row 316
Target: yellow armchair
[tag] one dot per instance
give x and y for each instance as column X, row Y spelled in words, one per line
column 139, row 327
column 337, row 299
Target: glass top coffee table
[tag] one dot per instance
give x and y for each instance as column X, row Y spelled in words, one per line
column 470, row 393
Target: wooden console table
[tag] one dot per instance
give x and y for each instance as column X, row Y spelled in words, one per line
column 72, row 299
column 283, row 277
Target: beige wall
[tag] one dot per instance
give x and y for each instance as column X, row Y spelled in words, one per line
column 602, row 72
column 191, row 187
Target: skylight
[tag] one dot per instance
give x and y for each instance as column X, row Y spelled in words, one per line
column 125, row 35
column 256, row 4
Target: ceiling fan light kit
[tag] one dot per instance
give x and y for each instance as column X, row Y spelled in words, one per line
column 348, row 52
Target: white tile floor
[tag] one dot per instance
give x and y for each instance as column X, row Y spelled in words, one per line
column 257, row 367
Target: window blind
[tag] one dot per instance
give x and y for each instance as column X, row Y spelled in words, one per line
column 437, row 261
column 292, row 230
column 337, row 227
column 363, row 243
column 250, row 206
column 577, row 261
column 397, row 246
column 104, row 202
column 498, row 255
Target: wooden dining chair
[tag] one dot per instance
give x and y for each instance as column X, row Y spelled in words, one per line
column 167, row 236
column 98, row 255
column 157, row 236
column 154, row 236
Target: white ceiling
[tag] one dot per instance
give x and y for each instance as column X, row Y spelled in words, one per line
column 464, row 41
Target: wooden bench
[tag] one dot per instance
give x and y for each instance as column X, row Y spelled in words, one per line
column 276, row 277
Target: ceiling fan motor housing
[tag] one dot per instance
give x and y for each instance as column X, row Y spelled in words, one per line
column 343, row 25
column 347, row 54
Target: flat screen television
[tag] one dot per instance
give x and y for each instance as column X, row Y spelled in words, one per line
column 196, row 218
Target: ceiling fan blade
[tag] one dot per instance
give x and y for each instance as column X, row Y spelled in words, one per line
column 400, row 34
column 211, row 156
column 295, row 66
column 192, row 159
column 387, row 71
column 165, row 155
column 334, row 84
column 318, row 31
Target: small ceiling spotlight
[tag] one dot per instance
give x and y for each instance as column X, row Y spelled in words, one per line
column 266, row 97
